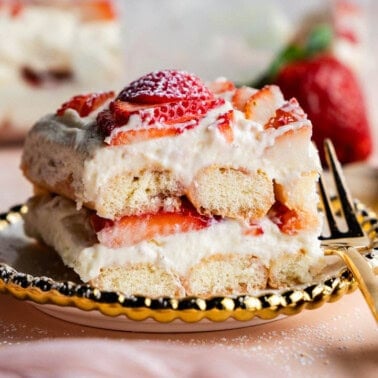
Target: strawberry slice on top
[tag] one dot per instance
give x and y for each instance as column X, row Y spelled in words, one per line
column 85, row 104
column 167, row 103
column 288, row 113
column 158, row 121
column 133, row 229
column 168, row 113
column 165, row 86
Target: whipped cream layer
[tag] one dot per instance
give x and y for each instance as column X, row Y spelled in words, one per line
column 283, row 153
column 71, row 234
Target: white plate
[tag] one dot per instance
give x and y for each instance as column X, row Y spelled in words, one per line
column 123, row 323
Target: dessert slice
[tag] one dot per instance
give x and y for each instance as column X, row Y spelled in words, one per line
column 210, row 187
column 51, row 50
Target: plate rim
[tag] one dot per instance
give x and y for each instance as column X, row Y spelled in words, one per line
column 266, row 305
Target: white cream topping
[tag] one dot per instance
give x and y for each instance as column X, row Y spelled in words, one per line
column 204, row 145
column 69, row 232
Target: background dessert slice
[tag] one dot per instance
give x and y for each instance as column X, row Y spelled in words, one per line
column 50, row 51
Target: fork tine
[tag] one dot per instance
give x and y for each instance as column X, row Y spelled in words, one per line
column 329, row 216
column 341, row 243
column 345, row 197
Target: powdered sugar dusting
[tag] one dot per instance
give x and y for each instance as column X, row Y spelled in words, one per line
column 295, row 347
column 292, row 350
column 164, row 86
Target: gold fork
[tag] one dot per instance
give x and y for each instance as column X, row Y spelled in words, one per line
column 350, row 243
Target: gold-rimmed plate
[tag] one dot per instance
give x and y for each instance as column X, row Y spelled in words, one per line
column 35, row 273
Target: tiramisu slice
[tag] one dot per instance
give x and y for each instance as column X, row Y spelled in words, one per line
column 174, row 187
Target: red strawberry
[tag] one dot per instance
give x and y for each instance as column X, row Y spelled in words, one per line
column 167, row 113
column 327, row 90
column 288, row 220
column 241, row 96
column 224, row 125
column 289, row 112
column 133, row 229
column 262, row 105
column 253, row 229
column 140, row 135
column 85, row 104
column 167, row 103
column 165, row 86
column 330, row 94
column 221, row 86
column 105, row 122
column 158, row 120
column 122, row 111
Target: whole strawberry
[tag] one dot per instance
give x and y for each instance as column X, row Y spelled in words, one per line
column 329, row 93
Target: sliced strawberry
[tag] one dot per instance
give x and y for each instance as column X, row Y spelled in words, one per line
column 241, row 96
column 167, row 103
column 262, row 105
column 140, row 135
column 253, row 229
column 85, row 104
column 157, row 120
column 134, row 229
column 105, row 122
column 99, row 223
column 97, row 10
column 122, row 110
column 181, row 111
column 165, row 86
column 288, row 113
column 167, row 113
column 221, row 86
column 289, row 221
column 224, row 125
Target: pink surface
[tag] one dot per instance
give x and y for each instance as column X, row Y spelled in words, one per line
column 337, row 340
column 119, row 358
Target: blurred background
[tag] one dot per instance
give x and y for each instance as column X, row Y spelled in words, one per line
column 52, row 50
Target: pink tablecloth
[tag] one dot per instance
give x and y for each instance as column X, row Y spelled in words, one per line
column 336, row 340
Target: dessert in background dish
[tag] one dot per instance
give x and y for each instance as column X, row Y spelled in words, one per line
column 51, row 50
column 172, row 187
column 349, row 24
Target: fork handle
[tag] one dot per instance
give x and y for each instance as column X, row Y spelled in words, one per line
column 364, row 275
